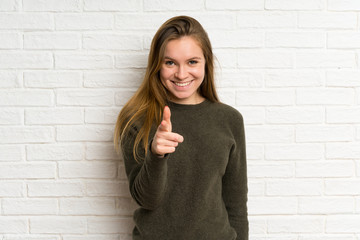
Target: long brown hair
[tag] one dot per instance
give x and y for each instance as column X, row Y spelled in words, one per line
column 150, row 99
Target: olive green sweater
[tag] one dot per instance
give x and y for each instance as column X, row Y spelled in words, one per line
column 199, row 191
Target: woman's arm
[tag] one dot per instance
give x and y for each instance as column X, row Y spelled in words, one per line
column 235, row 184
column 147, row 179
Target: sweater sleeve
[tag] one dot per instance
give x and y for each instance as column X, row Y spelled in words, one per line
column 147, row 179
column 235, row 183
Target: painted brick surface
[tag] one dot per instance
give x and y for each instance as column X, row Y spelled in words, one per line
column 292, row 68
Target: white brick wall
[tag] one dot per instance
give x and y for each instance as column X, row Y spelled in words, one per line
column 291, row 67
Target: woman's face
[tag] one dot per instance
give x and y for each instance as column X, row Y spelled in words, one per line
column 183, row 70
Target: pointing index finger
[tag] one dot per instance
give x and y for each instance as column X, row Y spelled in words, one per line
column 166, row 118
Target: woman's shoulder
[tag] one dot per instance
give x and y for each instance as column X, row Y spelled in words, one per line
column 227, row 111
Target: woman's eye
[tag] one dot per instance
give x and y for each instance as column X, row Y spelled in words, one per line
column 169, row 63
column 192, row 62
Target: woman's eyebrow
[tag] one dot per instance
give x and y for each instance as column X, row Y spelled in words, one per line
column 167, row 57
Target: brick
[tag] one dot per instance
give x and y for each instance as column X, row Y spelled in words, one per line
column 52, row 79
column 54, row 116
column 295, row 40
column 28, row 21
column 65, row 41
column 296, row 224
column 258, row 225
column 349, row 150
column 140, row 21
column 283, row 170
column 91, row 170
column 293, row 78
column 216, row 20
column 235, row 5
column 112, row 41
column 118, row 79
column 254, row 151
column 84, row 133
column 32, row 237
column 11, row 189
column 226, row 58
column 321, row 133
column 166, row 5
column 263, row 19
column 325, row 237
column 54, row 152
column 10, row 40
column 276, row 237
column 107, row 189
column 51, row 6
column 236, row 39
column 269, row 134
column 325, row 169
column 324, row 96
column 237, row 78
column 300, row 151
column 252, row 115
column 326, row 205
column 9, row 5
column 328, row 59
column 55, row 189
column 93, row 237
column 11, row 116
column 13, row 225
column 12, row 153
column 9, row 79
column 112, row 5
column 256, row 187
column 26, row 134
column 28, row 60
column 122, row 97
column 343, row 115
column 294, row 5
column 87, row 206
column 286, row 115
column 272, row 205
column 84, row 98
column 131, row 60
column 342, row 224
column 26, row 98
column 294, row 187
column 281, row 97
column 341, row 187
column 83, row 61
column 102, row 116
column 30, row 206
column 343, row 78
column 84, row 21
column 343, row 40
column 226, row 96
column 100, row 151
column 28, row 171
column 327, row 20
column 344, row 5
column 110, row 225
column 265, row 59
column 58, row 224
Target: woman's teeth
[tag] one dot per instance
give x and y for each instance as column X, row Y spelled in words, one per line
column 182, row 84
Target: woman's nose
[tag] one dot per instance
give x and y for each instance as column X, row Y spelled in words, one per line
column 181, row 73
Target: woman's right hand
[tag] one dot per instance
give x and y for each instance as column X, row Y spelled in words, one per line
column 165, row 141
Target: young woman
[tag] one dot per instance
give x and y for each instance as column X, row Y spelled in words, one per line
column 184, row 151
